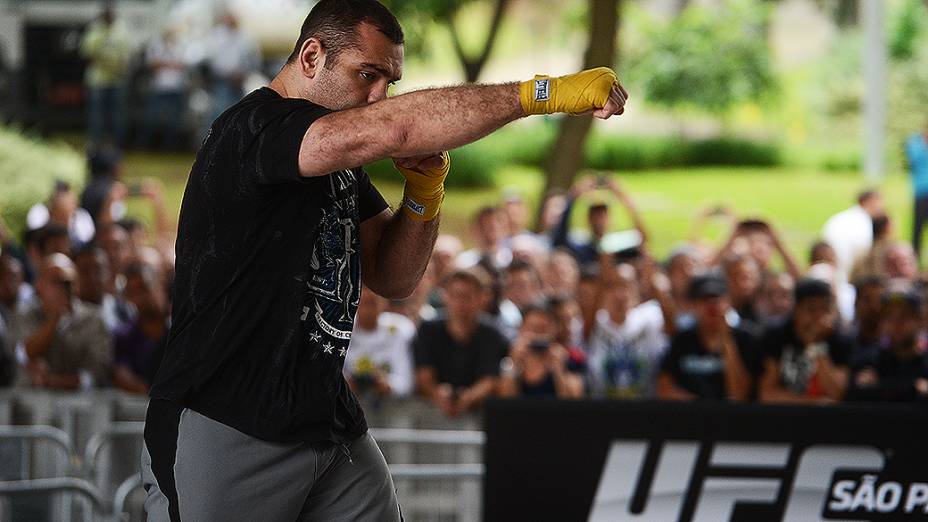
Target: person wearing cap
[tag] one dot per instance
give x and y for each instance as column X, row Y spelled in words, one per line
column 63, row 343
column 712, row 359
column 806, row 358
column 899, row 370
column 457, row 357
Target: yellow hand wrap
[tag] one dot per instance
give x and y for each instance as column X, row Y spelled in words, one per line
column 425, row 190
column 575, row 93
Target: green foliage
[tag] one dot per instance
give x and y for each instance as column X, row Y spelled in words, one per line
column 706, row 58
column 625, row 153
column 28, row 170
column 908, row 99
column 909, row 24
column 420, row 18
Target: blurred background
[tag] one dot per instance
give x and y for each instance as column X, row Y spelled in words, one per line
column 784, row 108
column 765, row 190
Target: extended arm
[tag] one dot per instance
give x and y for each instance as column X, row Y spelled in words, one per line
column 432, row 120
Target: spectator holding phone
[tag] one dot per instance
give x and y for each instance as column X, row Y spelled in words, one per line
column 538, row 365
column 65, row 342
column 587, row 250
column 807, row 357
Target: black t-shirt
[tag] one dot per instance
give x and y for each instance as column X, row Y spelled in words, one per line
column 700, row 371
column 897, row 377
column 267, row 280
column 797, row 371
column 459, row 365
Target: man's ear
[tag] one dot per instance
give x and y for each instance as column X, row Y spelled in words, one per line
column 312, row 57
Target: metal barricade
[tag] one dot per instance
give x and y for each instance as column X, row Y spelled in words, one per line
column 25, row 455
column 92, row 504
column 436, row 462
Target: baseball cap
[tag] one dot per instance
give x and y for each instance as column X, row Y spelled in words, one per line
column 707, row 285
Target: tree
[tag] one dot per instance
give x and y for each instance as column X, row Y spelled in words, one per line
column 707, row 58
column 566, row 157
column 422, row 15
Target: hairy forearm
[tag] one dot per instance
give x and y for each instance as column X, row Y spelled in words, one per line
column 402, row 256
column 444, row 119
column 417, row 123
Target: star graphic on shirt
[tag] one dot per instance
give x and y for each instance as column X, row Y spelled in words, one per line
column 342, row 351
column 315, row 337
column 327, row 347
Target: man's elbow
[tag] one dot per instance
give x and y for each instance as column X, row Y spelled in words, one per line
column 394, row 290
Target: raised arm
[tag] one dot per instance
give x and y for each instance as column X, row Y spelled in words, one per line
column 433, row 120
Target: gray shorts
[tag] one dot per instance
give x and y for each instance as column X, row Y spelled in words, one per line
column 205, row 471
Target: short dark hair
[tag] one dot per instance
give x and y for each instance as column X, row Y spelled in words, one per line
column 47, row 234
column 809, row 288
column 538, row 307
column 866, row 195
column 880, row 226
column 335, row 24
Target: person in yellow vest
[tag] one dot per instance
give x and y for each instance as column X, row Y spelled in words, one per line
column 106, row 46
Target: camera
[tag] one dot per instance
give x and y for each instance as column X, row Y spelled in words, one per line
column 539, row 346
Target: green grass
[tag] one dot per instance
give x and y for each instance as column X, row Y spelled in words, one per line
column 797, row 201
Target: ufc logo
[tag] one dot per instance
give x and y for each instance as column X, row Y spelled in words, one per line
column 724, row 481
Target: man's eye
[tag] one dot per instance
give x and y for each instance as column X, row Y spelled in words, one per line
column 367, row 76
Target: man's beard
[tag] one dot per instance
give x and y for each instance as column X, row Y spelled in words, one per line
column 331, row 95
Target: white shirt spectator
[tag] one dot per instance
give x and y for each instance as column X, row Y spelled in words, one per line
column 850, row 234
column 624, row 358
column 385, row 349
column 80, row 229
column 470, row 258
column 171, row 78
column 231, row 52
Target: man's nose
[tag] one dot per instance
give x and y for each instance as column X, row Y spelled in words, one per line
column 378, row 93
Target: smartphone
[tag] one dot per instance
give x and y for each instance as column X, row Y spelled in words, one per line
column 753, row 224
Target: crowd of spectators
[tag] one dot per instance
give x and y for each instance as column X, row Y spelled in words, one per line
column 566, row 313
column 84, row 296
column 560, row 313
column 184, row 83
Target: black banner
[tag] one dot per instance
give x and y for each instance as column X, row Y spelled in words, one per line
column 693, row 462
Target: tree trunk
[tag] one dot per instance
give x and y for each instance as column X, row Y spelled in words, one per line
column 474, row 66
column 567, row 154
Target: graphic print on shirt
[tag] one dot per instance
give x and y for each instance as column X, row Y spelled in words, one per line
column 333, row 289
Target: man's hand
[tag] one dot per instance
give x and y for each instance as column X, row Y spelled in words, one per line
column 594, row 90
column 445, row 401
column 54, row 299
column 425, row 184
column 37, row 370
